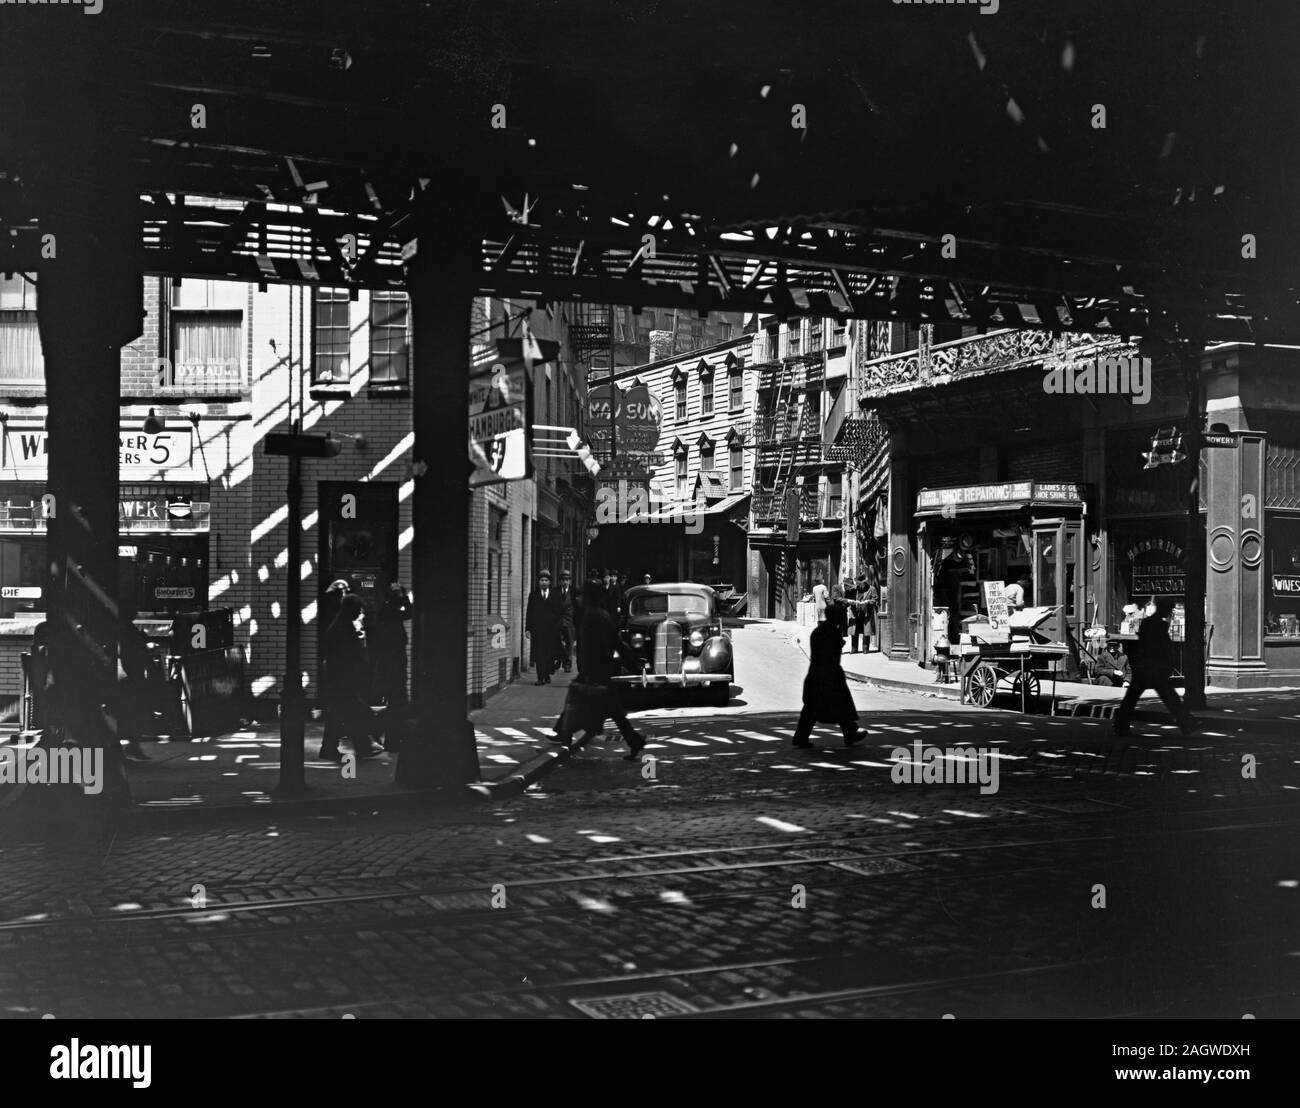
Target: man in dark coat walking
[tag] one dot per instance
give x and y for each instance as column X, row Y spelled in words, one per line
column 346, row 693
column 1151, row 670
column 592, row 698
column 826, row 696
column 542, row 626
column 568, row 618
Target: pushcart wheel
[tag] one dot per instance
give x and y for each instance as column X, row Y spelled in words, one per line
column 1032, row 688
column 983, row 684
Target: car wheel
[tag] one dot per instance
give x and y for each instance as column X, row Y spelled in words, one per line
column 720, row 692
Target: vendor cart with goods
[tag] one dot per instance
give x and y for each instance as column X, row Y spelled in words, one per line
column 1008, row 654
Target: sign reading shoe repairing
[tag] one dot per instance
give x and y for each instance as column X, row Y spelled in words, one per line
column 26, row 452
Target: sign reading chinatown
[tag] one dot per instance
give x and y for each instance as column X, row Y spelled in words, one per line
column 1157, row 566
column 637, row 416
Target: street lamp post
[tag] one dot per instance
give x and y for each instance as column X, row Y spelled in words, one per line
column 295, row 446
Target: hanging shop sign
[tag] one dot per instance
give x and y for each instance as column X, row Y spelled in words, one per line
column 637, row 418
column 499, row 423
column 1004, row 493
column 169, row 592
column 162, row 513
column 26, row 451
column 1157, row 568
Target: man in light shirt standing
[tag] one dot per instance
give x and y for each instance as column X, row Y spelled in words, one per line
column 1015, row 593
column 820, row 596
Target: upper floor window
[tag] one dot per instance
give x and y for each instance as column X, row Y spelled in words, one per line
column 331, row 336
column 683, row 460
column 681, row 398
column 207, row 328
column 390, row 338
column 706, row 455
column 724, row 330
column 793, row 335
column 737, row 452
column 20, row 341
column 706, row 388
column 736, row 378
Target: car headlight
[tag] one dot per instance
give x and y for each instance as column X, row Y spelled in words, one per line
column 638, row 639
column 697, row 638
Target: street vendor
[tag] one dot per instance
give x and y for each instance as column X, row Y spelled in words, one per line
column 1016, row 592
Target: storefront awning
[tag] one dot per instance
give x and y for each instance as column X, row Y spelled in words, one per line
column 687, row 512
column 1005, row 497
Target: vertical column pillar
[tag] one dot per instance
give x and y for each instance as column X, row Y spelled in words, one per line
column 440, row 750
column 1194, row 547
column 1235, row 589
column 900, row 557
column 89, row 304
column 1095, row 551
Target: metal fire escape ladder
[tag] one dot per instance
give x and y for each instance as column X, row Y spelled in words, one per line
column 785, row 465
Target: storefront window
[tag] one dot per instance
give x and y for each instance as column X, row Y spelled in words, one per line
column 1282, row 600
column 21, row 576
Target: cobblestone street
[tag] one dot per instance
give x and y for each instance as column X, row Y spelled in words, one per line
column 724, row 874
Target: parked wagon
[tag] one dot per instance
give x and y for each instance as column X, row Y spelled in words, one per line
column 1015, row 658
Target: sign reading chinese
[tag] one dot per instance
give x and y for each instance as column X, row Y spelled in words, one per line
column 498, row 423
column 26, row 452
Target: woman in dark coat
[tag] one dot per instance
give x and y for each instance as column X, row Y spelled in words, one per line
column 826, row 696
column 388, row 648
column 348, row 713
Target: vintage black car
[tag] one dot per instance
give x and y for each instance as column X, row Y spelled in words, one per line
column 676, row 631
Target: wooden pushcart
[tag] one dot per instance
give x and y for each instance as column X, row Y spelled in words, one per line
column 1016, row 658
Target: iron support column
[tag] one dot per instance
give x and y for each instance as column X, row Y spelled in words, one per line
column 439, row 749
column 1194, row 628
column 89, row 304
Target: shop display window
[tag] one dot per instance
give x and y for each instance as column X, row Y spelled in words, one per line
column 1282, row 591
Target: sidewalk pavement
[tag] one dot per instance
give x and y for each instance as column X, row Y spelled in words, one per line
column 1073, row 698
column 237, row 773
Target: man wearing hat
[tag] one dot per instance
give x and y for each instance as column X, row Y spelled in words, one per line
column 568, row 616
column 864, row 611
column 542, row 621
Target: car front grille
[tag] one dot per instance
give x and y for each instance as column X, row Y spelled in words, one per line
column 668, row 647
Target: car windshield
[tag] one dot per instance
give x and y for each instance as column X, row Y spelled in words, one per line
column 660, row 603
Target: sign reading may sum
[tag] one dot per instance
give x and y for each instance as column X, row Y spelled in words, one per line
column 26, row 451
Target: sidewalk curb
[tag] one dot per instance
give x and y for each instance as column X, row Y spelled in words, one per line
column 517, row 783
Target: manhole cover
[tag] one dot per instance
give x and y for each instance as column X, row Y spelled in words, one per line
column 632, row 1006
column 872, row 867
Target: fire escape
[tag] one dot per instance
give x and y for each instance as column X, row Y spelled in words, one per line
column 591, row 335
column 788, row 439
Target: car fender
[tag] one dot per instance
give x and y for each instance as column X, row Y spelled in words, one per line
column 716, row 657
